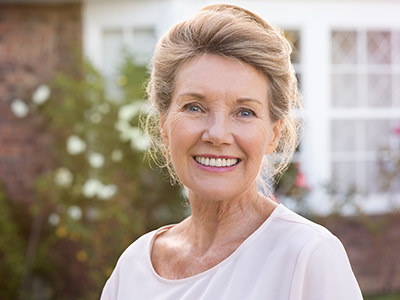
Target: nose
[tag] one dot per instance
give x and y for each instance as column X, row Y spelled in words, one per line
column 218, row 130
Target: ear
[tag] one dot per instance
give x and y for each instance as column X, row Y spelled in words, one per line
column 275, row 136
column 164, row 129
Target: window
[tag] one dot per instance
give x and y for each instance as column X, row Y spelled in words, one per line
column 139, row 41
column 365, row 102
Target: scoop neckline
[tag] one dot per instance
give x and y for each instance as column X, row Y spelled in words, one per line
column 216, row 267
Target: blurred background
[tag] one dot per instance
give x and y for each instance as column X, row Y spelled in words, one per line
column 76, row 188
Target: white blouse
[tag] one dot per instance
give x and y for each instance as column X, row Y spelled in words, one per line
column 286, row 258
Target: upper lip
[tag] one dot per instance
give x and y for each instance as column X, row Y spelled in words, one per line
column 216, row 156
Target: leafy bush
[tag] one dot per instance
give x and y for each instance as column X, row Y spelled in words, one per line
column 100, row 195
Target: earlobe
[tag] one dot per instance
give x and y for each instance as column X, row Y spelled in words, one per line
column 275, row 137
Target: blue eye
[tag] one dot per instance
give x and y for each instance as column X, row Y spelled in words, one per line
column 193, row 108
column 246, row 113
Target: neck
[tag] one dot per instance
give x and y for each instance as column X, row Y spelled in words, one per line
column 218, row 221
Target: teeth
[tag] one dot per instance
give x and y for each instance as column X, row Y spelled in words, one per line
column 219, row 162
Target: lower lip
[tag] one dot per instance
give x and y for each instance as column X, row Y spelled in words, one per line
column 216, row 169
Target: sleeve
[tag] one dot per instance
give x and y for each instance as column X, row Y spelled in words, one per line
column 105, row 294
column 323, row 272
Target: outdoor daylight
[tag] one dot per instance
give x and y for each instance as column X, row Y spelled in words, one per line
column 199, row 149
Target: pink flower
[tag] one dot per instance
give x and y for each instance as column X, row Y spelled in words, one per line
column 397, row 130
column 301, row 181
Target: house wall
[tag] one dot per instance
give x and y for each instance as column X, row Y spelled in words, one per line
column 35, row 42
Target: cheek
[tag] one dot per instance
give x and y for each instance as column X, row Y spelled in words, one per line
column 181, row 133
column 255, row 138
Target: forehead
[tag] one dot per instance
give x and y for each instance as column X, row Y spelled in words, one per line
column 213, row 74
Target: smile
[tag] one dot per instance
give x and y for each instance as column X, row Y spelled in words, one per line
column 216, row 162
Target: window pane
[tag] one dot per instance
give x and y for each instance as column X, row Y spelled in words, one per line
column 373, row 179
column 344, row 175
column 377, row 135
column 379, row 90
column 143, row 43
column 396, row 47
column 343, row 135
column 112, row 47
column 344, row 90
column 396, row 85
column 344, row 47
column 379, row 47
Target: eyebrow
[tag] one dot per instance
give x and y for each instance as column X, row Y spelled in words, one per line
column 195, row 95
column 201, row 97
column 242, row 100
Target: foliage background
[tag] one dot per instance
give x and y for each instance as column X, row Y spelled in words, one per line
column 99, row 196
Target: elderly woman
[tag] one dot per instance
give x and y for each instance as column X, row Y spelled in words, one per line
column 224, row 91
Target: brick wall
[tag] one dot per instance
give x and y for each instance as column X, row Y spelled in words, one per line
column 35, row 41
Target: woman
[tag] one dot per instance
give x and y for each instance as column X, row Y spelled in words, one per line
column 224, row 90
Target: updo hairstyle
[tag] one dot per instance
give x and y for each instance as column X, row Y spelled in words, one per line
column 232, row 32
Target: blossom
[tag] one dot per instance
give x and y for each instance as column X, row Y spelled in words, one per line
column 107, row 191
column 116, row 155
column 138, row 140
column 397, row 130
column 63, row 177
column 19, row 108
column 96, row 160
column 91, row 187
column 41, row 95
column 128, row 112
column 94, row 187
column 300, row 180
column 75, row 212
column 75, row 145
column 54, row 219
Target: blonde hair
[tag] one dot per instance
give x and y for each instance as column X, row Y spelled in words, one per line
column 232, row 32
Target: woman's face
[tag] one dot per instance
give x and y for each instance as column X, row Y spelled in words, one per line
column 218, row 127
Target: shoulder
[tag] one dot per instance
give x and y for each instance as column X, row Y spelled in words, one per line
column 297, row 229
column 322, row 268
column 133, row 267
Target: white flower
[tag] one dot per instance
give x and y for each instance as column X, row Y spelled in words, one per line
column 63, row 177
column 140, row 141
column 129, row 111
column 94, row 187
column 116, row 155
column 91, row 187
column 96, row 160
column 75, row 212
column 75, row 145
column 54, row 219
column 41, row 95
column 19, row 108
column 107, row 191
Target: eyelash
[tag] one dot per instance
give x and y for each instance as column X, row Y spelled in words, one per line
column 246, row 110
column 198, row 108
column 192, row 105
